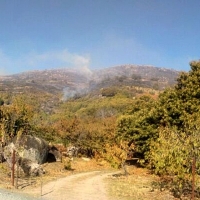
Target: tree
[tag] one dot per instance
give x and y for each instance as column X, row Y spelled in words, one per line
column 108, row 92
column 176, row 106
column 177, row 148
column 137, row 127
column 15, row 118
column 176, row 154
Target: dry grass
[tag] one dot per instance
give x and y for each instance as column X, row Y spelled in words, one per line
column 137, row 186
column 5, row 180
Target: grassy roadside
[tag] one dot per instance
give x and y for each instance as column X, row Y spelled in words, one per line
column 136, row 186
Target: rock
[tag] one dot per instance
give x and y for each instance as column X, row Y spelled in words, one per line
column 72, row 151
column 29, row 168
column 30, row 152
column 7, row 153
column 33, row 148
column 86, row 159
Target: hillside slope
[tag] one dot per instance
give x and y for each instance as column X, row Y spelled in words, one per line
column 57, row 81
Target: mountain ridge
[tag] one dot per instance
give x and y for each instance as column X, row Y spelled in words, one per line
column 54, row 81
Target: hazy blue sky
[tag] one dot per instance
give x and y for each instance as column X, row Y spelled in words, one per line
column 44, row 34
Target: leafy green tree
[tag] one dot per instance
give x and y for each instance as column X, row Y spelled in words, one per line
column 15, row 118
column 137, row 126
column 176, row 106
column 172, row 153
column 176, row 154
column 176, row 150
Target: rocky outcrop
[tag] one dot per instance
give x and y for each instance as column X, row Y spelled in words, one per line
column 31, row 151
column 33, row 148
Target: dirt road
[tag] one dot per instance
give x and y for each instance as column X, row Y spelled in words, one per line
column 83, row 186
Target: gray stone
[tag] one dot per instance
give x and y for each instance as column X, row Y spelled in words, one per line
column 29, row 168
column 31, row 147
column 7, row 153
column 72, row 151
column 30, row 153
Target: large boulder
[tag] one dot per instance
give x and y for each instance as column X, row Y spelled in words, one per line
column 31, row 147
column 31, row 151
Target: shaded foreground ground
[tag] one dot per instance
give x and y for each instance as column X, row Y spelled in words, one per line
column 88, row 180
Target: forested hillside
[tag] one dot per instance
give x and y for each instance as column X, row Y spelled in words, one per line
column 69, row 106
column 123, row 116
column 50, row 87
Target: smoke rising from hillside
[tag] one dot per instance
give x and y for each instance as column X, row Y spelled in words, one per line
column 45, row 60
column 73, row 93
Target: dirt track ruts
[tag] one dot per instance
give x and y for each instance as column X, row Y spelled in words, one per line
column 82, row 186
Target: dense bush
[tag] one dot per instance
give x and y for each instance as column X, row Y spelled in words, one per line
column 108, row 92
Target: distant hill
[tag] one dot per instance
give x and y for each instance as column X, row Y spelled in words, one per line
column 146, row 72
column 69, row 81
column 138, row 75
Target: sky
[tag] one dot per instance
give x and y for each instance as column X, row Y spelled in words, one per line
column 96, row 34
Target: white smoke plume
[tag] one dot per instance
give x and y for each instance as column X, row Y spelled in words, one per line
column 73, row 93
column 45, row 60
